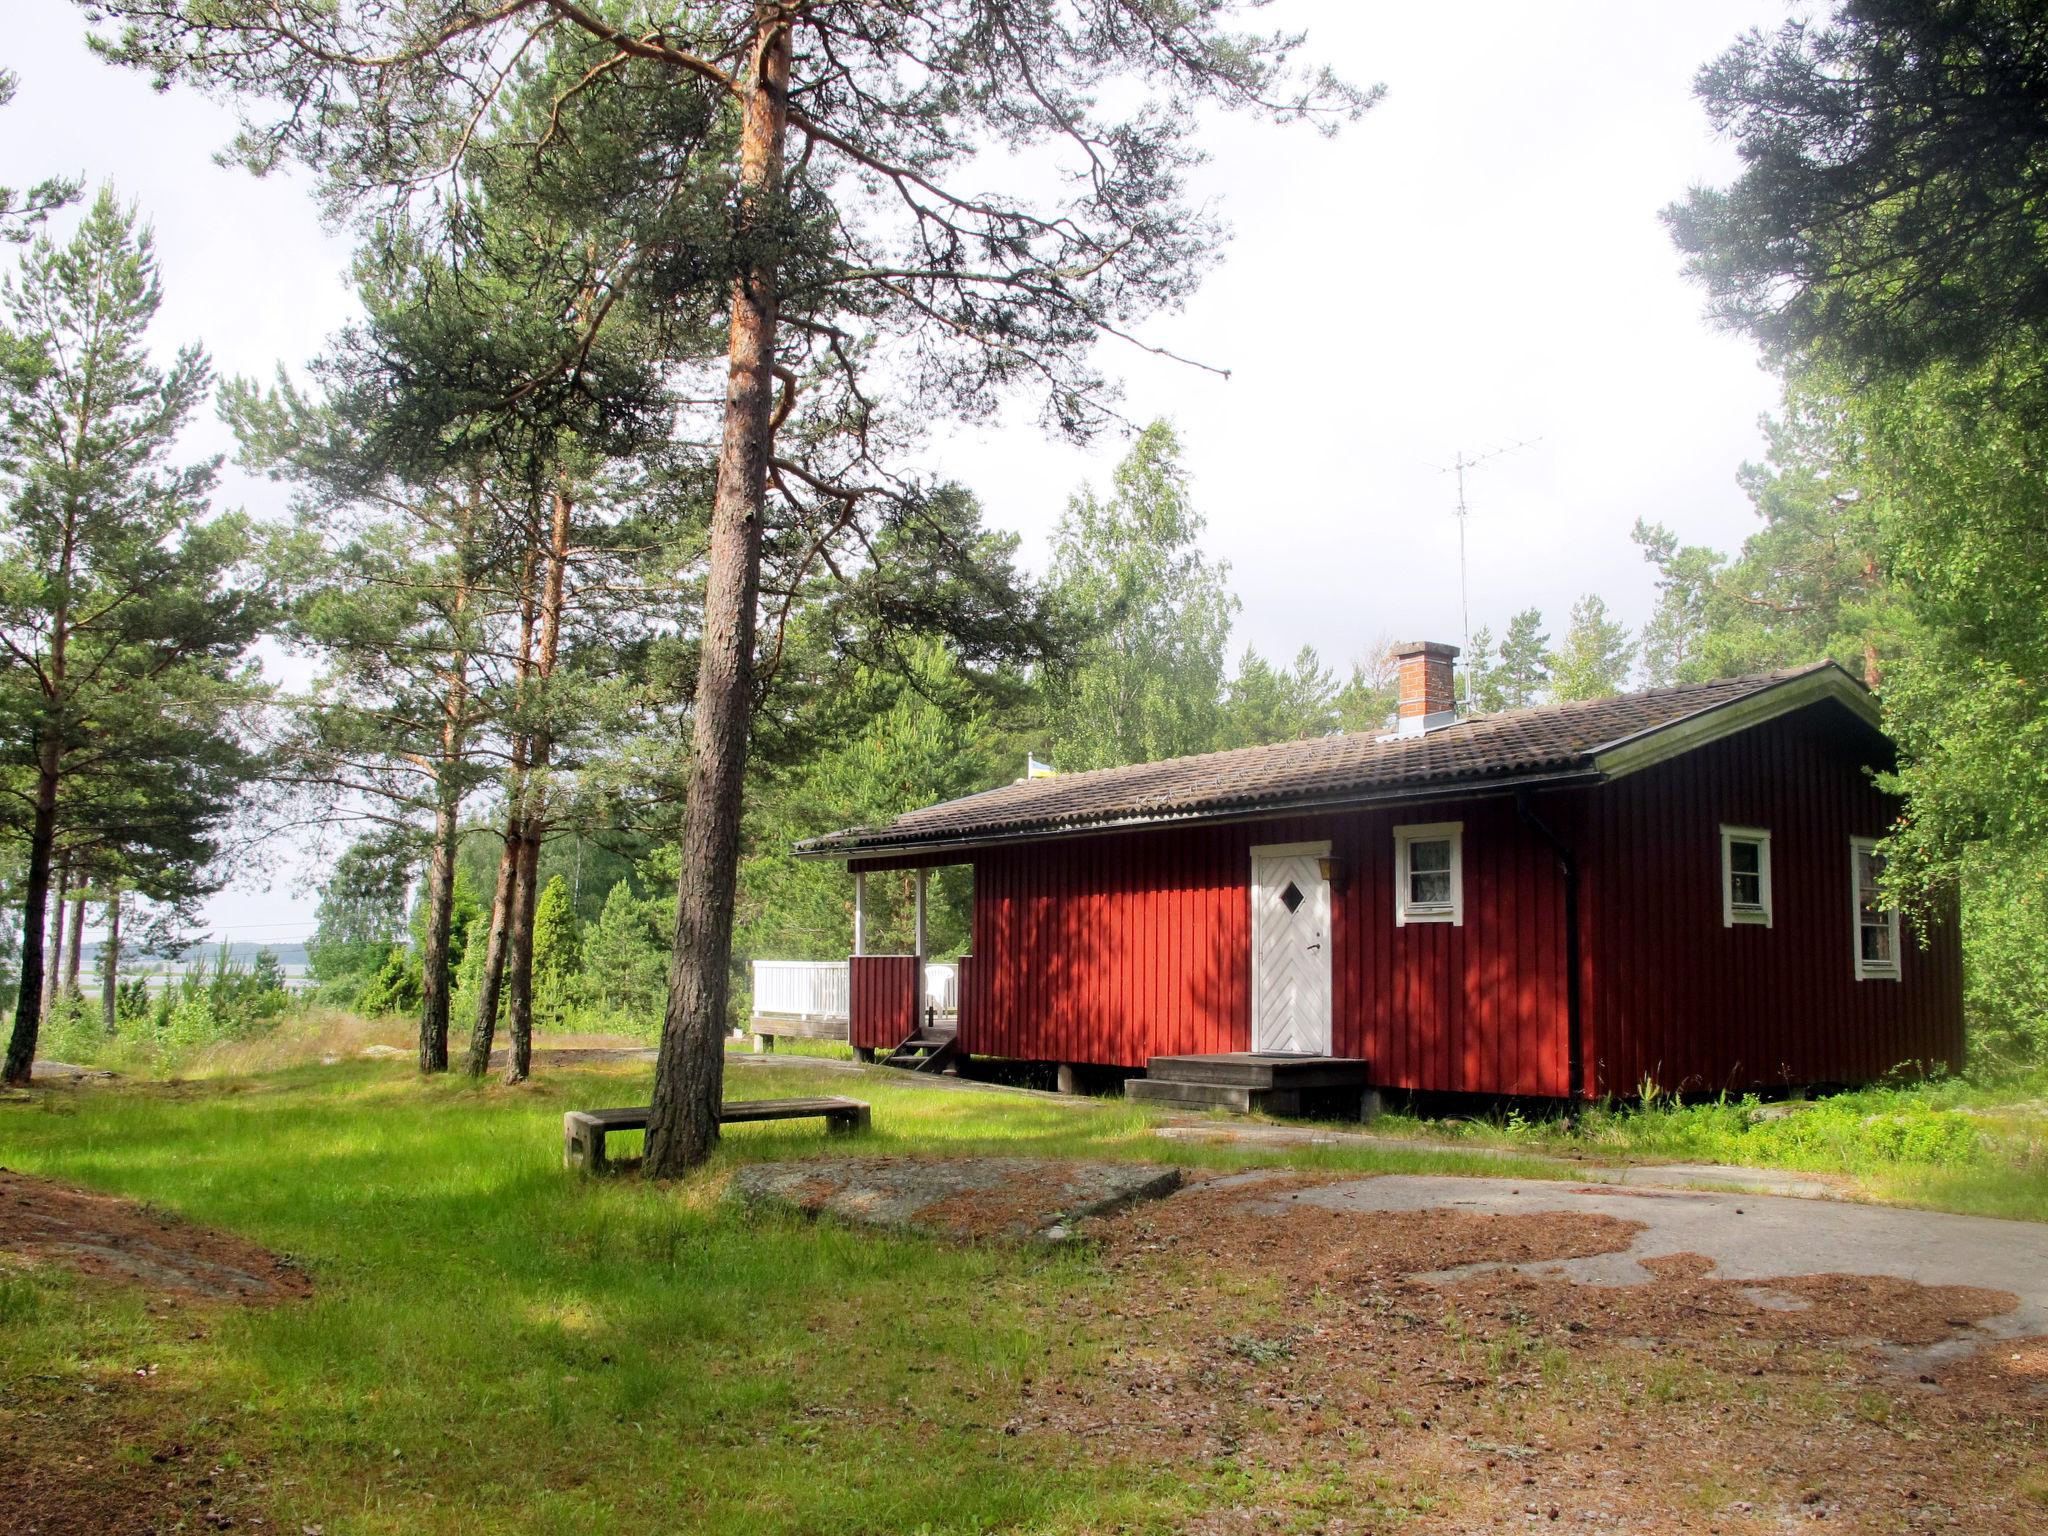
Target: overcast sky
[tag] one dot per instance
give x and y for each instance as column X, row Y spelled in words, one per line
column 1477, row 263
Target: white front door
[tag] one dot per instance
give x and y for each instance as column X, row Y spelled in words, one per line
column 1290, row 950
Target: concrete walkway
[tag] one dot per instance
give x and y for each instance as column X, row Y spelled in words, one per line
column 1748, row 1237
column 1763, row 1181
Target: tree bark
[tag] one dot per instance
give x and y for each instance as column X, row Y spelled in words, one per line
column 519, row 962
column 434, row 978
column 53, row 980
column 110, row 966
column 435, row 982
column 490, row 988
column 76, row 953
column 28, row 1000
column 689, row 1071
column 532, row 824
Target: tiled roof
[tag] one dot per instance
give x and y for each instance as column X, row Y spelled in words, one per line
column 1543, row 742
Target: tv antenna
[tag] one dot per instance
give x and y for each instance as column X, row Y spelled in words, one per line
column 1458, row 465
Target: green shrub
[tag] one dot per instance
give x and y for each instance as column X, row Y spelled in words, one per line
column 395, row 988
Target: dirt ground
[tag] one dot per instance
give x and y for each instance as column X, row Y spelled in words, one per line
column 1307, row 1343
column 1315, row 1371
column 85, row 1457
column 88, row 1460
column 113, row 1239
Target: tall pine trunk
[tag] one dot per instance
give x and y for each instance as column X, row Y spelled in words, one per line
column 532, row 825
column 53, row 980
column 76, row 953
column 519, row 962
column 435, row 982
column 689, row 1072
column 491, row 991
column 35, row 913
column 110, row 965
column 434, row 977
column 490, row 986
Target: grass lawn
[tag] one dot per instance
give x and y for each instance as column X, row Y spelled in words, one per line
column 1946, row 1145
column 495, row 1345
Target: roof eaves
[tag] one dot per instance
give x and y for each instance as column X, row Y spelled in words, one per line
column 1794, row 690
column 1049, row 830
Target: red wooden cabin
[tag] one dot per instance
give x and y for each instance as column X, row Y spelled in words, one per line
column 1566, row 901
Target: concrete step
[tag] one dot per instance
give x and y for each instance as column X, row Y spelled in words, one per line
column 1152, row 1090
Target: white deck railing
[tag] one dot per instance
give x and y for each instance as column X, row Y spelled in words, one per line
column 817, row 989
column 800, row 989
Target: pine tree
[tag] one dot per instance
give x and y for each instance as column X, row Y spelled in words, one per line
column 1524, row 669
column 1594, row 659
column 125, row 611
column 1148, row 682
column 21, row 212
column 1265, row 704
column 1369, row 697
column 847, row 262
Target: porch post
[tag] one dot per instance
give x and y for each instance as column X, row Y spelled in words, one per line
column 922, row 875
column 860, row 912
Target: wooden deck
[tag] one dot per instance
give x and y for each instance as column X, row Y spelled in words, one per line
column 1337, row 1087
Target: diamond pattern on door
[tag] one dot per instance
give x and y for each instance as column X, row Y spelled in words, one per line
column 1290, row 950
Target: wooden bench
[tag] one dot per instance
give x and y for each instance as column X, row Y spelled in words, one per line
column 584, row 1130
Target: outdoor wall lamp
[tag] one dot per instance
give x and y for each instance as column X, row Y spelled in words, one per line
column 1332, row 870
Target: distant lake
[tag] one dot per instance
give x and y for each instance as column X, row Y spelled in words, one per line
column 291, row 958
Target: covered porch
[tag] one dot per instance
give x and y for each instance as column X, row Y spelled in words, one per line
column 903, row 1006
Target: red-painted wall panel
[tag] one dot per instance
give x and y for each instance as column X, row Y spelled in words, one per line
column 883, row 994
column 1688, row 1003
column 1116, row 948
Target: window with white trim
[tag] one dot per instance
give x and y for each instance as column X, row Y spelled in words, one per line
column 1877, row 926
column 1429, row 880
column 1745, row 876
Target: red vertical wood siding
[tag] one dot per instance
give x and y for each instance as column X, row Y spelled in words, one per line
column 1680, row 999
column 1114, row 949
column 963, row 987
column 883, row 995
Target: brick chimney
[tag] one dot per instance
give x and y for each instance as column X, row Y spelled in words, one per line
column 1429, row 696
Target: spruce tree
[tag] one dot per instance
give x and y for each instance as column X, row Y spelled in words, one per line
column 1524, row 661
column 1482, row 694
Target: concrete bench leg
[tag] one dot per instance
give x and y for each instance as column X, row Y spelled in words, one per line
column 847, row 1122
column 582, row 1143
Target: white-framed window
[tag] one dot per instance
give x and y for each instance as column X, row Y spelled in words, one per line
column 1877, row 926
column 1745, row 876
column 1429, row 877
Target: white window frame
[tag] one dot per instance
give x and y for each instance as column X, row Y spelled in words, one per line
column 1732, row 915
column 1868, row 970
column 1406, row 911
